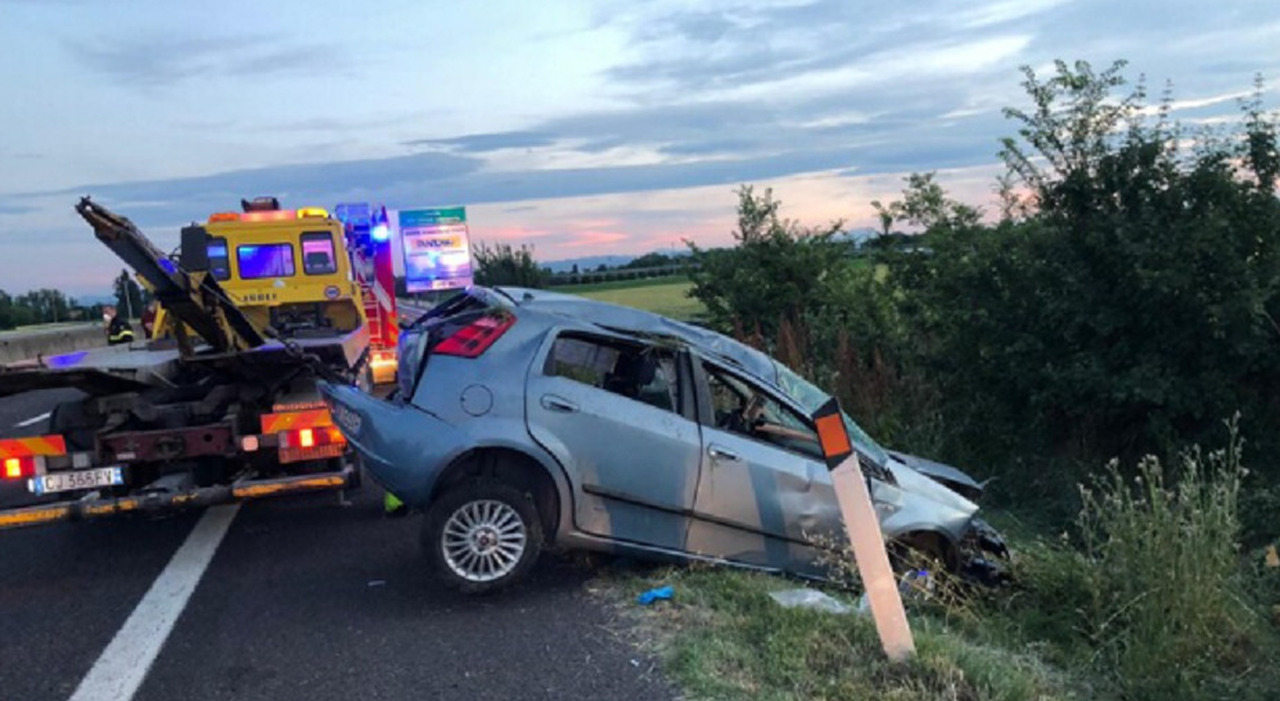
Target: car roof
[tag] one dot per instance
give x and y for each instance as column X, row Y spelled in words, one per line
column 637, row 322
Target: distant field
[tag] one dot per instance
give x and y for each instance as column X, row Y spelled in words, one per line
column 664, row 296
column 620, row 284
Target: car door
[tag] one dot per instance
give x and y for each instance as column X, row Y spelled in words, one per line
column 762, row 494
column 618, row 416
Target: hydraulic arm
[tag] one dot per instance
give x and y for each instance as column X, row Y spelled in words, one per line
column 188, row 291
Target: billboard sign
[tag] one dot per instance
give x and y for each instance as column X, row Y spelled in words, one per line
column 437, row 252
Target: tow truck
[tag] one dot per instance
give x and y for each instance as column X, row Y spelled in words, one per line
column 220, row 402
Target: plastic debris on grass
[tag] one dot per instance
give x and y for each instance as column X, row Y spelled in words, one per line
column 655, row 594
column 810, row 599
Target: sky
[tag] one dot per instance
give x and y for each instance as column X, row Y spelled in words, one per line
column 581, row 128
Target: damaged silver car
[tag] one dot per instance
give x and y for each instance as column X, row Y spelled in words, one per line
column 524, row 418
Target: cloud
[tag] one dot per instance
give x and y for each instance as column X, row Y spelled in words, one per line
column 699, row 100
column 164, row 60
column 484, row 143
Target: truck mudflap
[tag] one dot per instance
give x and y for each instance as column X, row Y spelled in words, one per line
column 90, row 508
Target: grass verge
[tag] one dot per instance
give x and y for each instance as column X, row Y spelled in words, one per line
column 723, row 637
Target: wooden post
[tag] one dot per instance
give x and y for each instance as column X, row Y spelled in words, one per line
column 864, row 533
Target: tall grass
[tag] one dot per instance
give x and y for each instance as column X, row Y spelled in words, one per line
column 1168, row 618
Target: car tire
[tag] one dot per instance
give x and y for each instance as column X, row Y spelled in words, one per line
column 482, row 536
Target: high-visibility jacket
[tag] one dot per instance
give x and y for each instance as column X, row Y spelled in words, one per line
column 119, row 331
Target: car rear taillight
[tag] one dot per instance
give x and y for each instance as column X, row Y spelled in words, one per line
column 474, row 339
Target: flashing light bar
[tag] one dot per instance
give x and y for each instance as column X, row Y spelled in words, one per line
column 269, row 215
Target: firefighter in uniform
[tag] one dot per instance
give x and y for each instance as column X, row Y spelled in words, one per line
column 118, row 330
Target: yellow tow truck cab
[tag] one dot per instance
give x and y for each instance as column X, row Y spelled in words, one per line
column 285, row 269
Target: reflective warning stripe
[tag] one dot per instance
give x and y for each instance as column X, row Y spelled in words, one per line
column 27, row 447
column 269, row 488
column 31, row 516
column 284, row 421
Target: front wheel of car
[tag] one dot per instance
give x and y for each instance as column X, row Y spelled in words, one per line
column 482, row 536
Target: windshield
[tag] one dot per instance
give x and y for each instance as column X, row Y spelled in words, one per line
column 265, row 260
column 809, row 397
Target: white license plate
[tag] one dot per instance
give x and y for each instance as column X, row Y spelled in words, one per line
column 77, row 479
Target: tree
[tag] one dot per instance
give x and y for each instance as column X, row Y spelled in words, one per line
column 44, row 306
column 501, row 264
column 130, row 299
column 778, row 269
column 926, row 205
column 1074, row 124
column 650, row 260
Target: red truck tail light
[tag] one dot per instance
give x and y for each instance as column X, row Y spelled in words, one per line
column 24, row 457
column 312, row 443
column 474, row 339
column 19, row 468
column 313, row 437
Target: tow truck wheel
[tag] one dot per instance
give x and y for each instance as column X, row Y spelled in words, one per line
column 482, row 536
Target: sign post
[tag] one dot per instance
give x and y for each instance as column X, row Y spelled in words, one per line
column 437, row 252
column 864, row 533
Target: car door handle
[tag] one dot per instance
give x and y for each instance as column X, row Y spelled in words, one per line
column 551, row 402
column 718, row 453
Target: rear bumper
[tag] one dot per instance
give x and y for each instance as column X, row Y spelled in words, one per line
column 85, row 509
column 402, row 447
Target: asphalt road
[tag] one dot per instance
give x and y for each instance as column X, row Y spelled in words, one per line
column 303, row 598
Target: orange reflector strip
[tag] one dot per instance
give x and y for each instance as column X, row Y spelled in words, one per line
column 26, row 517
column 833, row 436
column 285, row 421
column 261, row 490
column 299, row 406
column 27, row 447
column 224, row 216
column 320, row 452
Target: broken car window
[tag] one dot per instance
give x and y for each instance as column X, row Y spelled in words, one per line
column 748, row 410
column 636, row 372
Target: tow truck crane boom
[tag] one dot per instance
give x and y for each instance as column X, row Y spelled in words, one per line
column 188, row 292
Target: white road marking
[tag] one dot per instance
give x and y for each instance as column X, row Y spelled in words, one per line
column 33, row 419
column 122, row 667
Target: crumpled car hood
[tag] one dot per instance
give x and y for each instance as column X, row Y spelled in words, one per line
column 954, row 478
